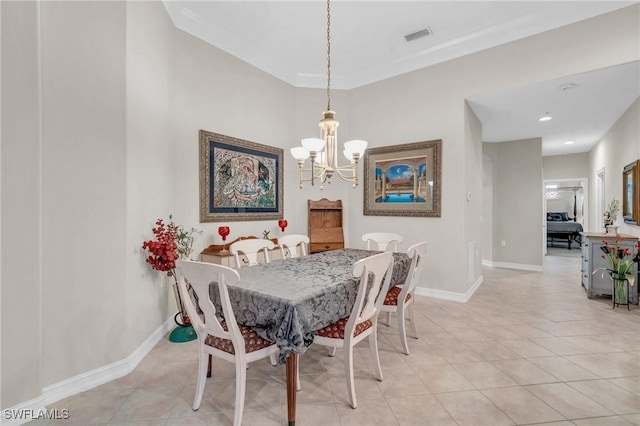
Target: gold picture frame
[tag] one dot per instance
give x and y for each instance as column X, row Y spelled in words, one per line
column 403, row 180
column 239, row 180
column 631, row 193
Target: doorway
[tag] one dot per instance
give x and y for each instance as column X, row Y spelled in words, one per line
column 567, row 197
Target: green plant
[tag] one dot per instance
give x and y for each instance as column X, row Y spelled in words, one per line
column 183, row 238
column 620, row 260
column 611, row 214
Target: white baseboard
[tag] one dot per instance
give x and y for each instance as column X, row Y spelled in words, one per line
column 86, row 381
column 518, row 266
column 449, row 295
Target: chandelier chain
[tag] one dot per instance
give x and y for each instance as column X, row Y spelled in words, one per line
column 323, row 151
column 328, row 55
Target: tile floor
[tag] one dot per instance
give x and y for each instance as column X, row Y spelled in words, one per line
column 528, row 348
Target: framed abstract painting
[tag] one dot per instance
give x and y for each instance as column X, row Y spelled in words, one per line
column 239, row 180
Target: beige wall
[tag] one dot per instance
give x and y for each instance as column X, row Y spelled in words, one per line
column 564, row 203
column 517, row 201
column 151, row 166
column 488, row 178
column 21, row 213
column 123, row 96
column 84, row 185
column 563, row 167
column 619, row 147
column 473, row 197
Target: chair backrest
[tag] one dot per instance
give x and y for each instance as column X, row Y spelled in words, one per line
column 418, row 255
column 384, row 241
column 291, row 242
column 375, row 275
column 250, row 249
column 200, row 275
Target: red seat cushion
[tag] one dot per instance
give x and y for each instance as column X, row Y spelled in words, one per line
column 336, row 330
column 392, row 296
column 252, row 341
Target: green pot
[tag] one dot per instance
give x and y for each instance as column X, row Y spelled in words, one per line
column 183, row 334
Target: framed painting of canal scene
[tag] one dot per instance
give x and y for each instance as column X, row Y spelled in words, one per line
column 239, row 180
column 403, row 180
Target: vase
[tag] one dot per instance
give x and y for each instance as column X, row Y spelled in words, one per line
column 620, row 295
column 184, row 331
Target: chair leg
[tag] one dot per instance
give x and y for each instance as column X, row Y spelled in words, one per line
column 375, row 356
column 333, row 352
column 202, row 371
column 402, row 329
column 298, row 385
column 273, row 359
column 241, row 383
column 348, row 372
column 412, row 319
column 388, row 322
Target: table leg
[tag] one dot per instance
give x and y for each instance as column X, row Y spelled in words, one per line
column 209, row 367
column 292, row 368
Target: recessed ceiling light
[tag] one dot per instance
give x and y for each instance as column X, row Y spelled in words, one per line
column 545, row 117
column 568, row 142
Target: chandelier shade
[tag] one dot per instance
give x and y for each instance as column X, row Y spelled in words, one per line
column 323, row 151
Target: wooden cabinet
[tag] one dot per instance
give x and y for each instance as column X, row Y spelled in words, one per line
column 600, row 283
column 325, row 225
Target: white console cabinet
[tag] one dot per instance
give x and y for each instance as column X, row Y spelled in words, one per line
column 600, row 283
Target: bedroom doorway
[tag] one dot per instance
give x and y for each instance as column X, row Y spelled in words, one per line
column 565, row 204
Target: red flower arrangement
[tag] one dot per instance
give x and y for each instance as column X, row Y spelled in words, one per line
column 171, row 243
column 163, row 250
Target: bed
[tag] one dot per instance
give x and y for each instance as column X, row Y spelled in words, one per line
column 562, row 228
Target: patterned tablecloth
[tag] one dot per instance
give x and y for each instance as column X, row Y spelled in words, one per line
column 285, row 301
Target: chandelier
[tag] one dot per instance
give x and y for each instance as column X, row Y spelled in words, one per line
column 323, row 151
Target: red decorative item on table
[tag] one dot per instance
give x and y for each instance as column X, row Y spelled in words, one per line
column 223, row 231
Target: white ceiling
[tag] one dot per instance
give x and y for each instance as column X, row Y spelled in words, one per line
column 581, row 114
column 288, row 40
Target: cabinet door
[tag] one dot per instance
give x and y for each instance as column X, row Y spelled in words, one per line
column 600, row 280
column 325, row 219
column 584, row 270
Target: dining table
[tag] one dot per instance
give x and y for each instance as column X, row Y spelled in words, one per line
column 286, row 301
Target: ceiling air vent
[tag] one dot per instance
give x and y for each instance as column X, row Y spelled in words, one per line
column 418, row 34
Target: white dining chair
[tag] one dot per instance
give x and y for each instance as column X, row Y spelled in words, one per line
column 399, row 298
column 375, row 275
column 383, row 241
column 290, row 244
column 250, row 248
column 223, row 339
